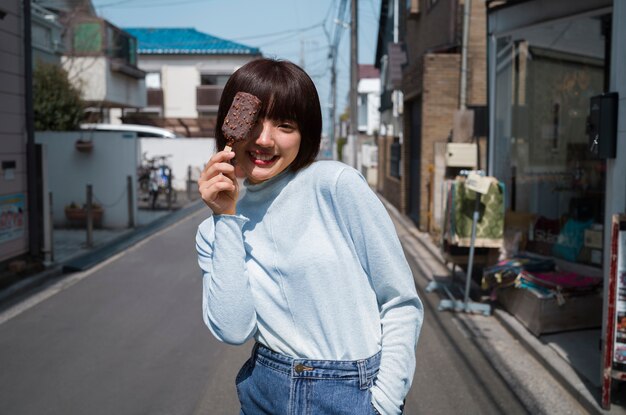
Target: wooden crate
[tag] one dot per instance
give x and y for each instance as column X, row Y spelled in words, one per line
column 543, row 315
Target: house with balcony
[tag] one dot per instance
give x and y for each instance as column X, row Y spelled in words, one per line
column 186, row 71
column 46, row 35
column 102, row 59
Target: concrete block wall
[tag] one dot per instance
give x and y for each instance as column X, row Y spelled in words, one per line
column 106, row 167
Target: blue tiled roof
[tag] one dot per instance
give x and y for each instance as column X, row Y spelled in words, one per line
column 185, row 41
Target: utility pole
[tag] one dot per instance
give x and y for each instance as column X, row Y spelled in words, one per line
column 354, row 62
column 333, row 100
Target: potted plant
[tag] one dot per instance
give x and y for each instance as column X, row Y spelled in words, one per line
column 77, row 215
column 84, row 146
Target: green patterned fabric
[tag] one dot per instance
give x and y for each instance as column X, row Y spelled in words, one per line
column 490, row 226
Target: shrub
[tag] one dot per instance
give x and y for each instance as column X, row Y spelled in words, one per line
column 57, row 105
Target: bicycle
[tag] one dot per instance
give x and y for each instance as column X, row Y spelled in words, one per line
column 155, row 178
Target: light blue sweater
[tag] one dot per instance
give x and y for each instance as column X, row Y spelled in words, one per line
column 311, row 266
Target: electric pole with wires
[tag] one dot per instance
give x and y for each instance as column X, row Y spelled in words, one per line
column 354, row 122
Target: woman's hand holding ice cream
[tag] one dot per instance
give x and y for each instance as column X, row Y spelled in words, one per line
column 218, row 185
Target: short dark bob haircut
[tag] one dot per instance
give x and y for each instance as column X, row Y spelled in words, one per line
column 287, row 93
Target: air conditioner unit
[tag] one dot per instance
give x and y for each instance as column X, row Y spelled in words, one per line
column 461, row 155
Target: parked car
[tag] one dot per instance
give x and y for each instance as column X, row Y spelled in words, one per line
column 143, row 131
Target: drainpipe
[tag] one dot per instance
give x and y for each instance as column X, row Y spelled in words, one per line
column 467, row 5
column 34, row 218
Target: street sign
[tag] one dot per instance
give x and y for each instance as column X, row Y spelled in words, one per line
column 478, row 183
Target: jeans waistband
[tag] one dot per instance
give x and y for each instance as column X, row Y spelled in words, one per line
column 363, row 369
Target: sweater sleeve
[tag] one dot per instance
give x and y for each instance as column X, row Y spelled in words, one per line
column 401, row 311
column 227, row 303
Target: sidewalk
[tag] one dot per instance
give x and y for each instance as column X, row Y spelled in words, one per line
column 568, row 357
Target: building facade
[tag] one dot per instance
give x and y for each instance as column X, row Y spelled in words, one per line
column 441, row 73
column 368, row 103
column 186, row 73
column 369, row 100
column 390, row 57
column 14, row 195
column 552, row 66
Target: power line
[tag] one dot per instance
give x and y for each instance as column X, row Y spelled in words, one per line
column 300, row 30
column 120, row 4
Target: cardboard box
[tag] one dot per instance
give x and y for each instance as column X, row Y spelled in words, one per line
column 543, row 315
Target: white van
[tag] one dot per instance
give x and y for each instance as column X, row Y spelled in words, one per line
column 143, row 131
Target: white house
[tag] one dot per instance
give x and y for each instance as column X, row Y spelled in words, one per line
column 369, row 99
column 100, row 58
column 186, row 73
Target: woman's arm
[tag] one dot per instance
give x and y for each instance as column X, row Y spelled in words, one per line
column 227, row 304
column 401, row 312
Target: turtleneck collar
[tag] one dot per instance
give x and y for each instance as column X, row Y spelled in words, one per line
column 277, row 181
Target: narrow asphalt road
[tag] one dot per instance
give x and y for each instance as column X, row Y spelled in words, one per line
column 127, row 337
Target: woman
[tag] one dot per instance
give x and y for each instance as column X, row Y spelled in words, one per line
column 306, row 262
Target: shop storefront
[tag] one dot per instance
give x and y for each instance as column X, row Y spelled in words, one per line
column 551, row 64
column 545, row 76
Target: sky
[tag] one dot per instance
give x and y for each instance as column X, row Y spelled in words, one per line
column 298, row 30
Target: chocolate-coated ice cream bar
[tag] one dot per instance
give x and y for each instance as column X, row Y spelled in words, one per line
column 240, row 118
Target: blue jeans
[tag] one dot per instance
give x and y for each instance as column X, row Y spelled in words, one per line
column 275, row 384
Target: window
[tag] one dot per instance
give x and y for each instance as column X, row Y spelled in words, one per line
column 395, row 159
column 413, row 6
column 121, row 46
column 153, row 80
column 212, row 79
column 545, row 77
column 362, row 112
column 87, row 38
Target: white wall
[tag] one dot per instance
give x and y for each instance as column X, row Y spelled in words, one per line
column 106, row 167
column 126, row 90
column 180, row 75
column 93, row 75
column 371, row 87
column 194, row 152
column 203, row 63
column 88, row 74
column 179, row 85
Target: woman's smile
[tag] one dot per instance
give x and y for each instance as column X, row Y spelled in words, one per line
column 262, row 159
column 271, row 149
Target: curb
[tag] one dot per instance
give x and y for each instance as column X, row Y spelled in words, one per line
column 90, row 259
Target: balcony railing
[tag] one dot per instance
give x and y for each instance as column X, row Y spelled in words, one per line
column 92, row 36
column 208, row 96
column 155, row 97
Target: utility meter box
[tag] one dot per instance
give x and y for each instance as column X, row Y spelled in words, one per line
column 461, row 155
